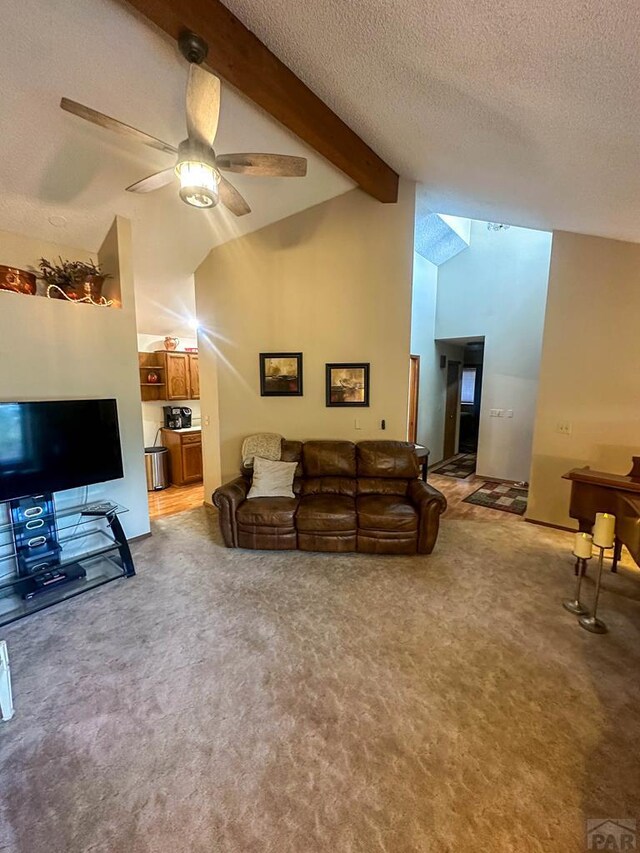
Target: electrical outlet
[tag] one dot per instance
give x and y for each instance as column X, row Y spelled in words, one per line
column 563, row 427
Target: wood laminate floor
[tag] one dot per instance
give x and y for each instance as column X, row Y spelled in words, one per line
column 175, row 499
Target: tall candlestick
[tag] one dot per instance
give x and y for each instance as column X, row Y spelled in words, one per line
column 583, row 546
column 592, row 623
column 604, row 530
column 574, row 605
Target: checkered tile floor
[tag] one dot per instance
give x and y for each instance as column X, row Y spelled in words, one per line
column 460, row 467
column 500, row 496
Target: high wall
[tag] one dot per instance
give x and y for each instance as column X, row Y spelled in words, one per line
column 433, row 379
column 590, row 369
column 333, row 282
column 52, row 350
column 497, row 289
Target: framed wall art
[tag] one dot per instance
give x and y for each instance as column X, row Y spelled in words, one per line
column 281, row 374
column 347, row 384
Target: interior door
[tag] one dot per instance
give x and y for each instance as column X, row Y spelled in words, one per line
column 414, row 385
column 178, row 385
column 451, row 410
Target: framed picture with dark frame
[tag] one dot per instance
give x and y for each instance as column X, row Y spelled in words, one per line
column 347, row 384
column 281, row 374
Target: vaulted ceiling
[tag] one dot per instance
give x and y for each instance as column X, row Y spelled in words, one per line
column 501, row 111
column 56, row 167
column 511, row 111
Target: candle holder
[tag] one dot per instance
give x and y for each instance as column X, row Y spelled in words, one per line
column 592, row 623
column 575, row 605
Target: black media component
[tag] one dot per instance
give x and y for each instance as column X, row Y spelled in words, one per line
column 56, row 445
column 35, row 534
column 50, row 580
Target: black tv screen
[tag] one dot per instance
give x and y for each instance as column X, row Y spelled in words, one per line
column 52, row 446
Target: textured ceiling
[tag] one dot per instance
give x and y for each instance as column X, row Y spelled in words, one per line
column 53, row 164
column 507, row 111
column 437, row 240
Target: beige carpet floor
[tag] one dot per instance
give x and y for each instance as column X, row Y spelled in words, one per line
column 226, row 701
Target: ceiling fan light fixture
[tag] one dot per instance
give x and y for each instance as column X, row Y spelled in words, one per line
column 198, row 183
column 199, row 178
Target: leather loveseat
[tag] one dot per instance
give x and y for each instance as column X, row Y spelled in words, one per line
column 348, row 497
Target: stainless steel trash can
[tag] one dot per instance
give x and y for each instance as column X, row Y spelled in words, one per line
column 156, row 463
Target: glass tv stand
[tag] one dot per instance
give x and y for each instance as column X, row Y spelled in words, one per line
column 85, row 547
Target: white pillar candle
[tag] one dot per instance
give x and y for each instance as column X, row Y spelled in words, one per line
column 583, row 545
column 604, row 530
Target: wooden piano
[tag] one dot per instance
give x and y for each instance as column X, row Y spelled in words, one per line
column 597, row 491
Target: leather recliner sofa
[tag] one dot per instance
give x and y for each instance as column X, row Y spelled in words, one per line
column 348, row 497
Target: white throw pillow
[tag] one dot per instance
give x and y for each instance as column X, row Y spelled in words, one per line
column 272, row 479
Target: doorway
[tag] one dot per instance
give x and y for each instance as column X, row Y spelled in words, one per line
column 414, row 391
column 451, row 409
column 470, row 396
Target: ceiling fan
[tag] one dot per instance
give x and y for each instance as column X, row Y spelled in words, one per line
column 198, row 167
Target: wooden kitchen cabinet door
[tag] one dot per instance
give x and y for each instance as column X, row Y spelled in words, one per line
column 177, row 379
column 194, row 375
column 191, row 463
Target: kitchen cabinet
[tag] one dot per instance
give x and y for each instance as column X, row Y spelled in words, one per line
column 185, row 455
column 177, row 376
column 169, row 376
column 194, row 376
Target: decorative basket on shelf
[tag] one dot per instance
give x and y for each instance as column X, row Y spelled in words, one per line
column 75, row 281
column 17, row 281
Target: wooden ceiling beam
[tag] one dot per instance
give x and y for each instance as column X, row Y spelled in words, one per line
column 238, row 56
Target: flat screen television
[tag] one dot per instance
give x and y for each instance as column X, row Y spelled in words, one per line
column 55, row 445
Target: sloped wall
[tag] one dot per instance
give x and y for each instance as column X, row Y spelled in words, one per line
column 333, row 282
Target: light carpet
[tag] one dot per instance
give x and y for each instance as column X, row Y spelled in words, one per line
column 226, row 701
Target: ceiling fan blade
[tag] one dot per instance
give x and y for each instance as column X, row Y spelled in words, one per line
column 203, row 105
column 153, row 182
column 232, row 199
column 269, row 165
column 113, row 124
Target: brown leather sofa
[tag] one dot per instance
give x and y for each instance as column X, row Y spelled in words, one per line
column 348, row 497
